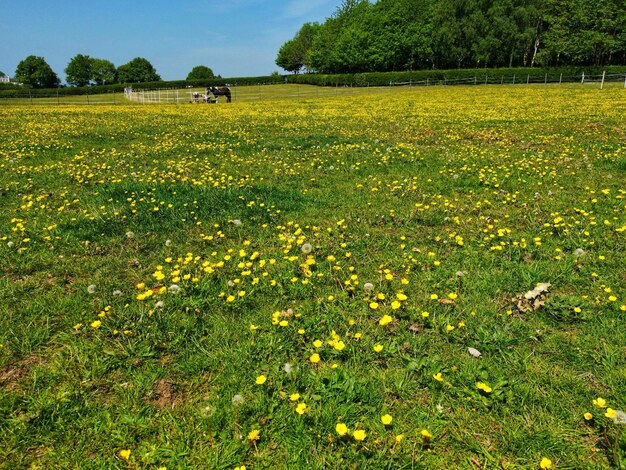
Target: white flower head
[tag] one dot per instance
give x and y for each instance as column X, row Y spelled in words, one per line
column 130, row 234
column 620, row 417
column 91, row 288
column 288, row 368
column 236, row 222
column 174, row 289
column 117, row 293
column 579, row 252
column 368, row 286
column 10, row 244
column 307, row 248
column 159, row 304
column 237, row 399
column 168, row 242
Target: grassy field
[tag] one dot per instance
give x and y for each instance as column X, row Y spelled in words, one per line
column 416, row 278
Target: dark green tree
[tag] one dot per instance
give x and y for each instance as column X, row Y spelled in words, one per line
column 35, row 72
column 79, row 70
column 200, row 72
column 294, row 54
column 288, row 57
column 136, row 71
column 103, row 71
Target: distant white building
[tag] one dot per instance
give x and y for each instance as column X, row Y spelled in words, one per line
column 5, row 79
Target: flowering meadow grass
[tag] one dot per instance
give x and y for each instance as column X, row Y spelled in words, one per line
column 420, row 278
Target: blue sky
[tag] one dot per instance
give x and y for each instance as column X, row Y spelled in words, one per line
column 234, row 38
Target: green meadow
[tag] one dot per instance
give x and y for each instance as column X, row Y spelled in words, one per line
column 322, row 278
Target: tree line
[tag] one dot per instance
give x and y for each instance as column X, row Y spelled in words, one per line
column 83, row 70
column 397, row 35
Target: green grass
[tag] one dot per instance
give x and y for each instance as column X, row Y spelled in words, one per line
column 470, row 194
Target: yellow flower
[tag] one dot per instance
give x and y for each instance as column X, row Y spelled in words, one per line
column 385, row 320
column 600, row 402
column 588, row 416
column 378, row 348
column 342, row 429
column 484, row 387
column 243, row 467
column 125, row 454
column 438, row 377
column 339, row 345
column 610, row 413
column 359, row 435
column 315, row 358
column 386, row 419
column 545, row 463
column 426, row 435
column 294, row 396
column 96, row 324
column 260, row 380
column 254, row 435
column 373, row 305
column 317, row 343
column 452, row 296
column 301, row 408
column 253, row 327
column 434, row 296
column 399, row 437
column 449, row 328
column 77, row 326
column 395, row 305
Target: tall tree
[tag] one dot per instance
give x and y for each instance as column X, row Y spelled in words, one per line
column 200, row 72
column 35, row 72
column 103, row 71
column 136, row 71
column 79, row 70
column 295, row 53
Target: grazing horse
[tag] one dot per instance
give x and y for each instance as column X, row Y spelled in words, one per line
column 220, row 91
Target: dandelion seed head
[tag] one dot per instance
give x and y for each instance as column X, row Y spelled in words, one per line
column 237, row 399
column 288, row 368
column 91, row 288
column 117, row 293
column 168, row 242
column 307, row 248
column 174, row 289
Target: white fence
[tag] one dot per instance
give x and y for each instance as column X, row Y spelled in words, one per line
column 159, row 96
column 518, row 80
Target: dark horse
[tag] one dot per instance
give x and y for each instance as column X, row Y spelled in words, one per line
column 220, row 91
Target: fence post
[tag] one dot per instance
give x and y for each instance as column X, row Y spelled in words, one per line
column 545, row 82
column 475, row 80
column 58, row 97
column 527, row 79
column 582, row 81
column 602, row 83
column 625, row 80
column 87, row 98
column 501, row 79
column 486, row 79
column 513, row 79
column 561, row 78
